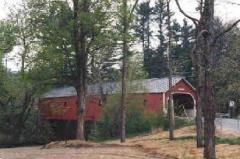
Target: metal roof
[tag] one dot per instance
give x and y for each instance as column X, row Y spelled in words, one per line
column 154, row 85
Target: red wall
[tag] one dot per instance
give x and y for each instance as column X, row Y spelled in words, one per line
column 64, row 108
column 154, row 102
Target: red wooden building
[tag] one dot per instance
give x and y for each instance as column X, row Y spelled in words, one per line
column 60, row 104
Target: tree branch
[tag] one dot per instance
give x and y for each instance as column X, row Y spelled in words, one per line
column 133, row 8
column 195, row 21
column 225, row 31
column 201, row 7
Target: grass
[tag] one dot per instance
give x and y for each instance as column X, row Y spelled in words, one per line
column 230, row 141
column 179, row 123
column 219, row 140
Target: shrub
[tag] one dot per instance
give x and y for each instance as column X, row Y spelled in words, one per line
column 35, row 131
column 137, row 121
column 107, row 127
column 31, row 132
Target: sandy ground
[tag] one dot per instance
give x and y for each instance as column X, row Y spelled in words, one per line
column 153, row 145
column 96, row 152
column 182, row 147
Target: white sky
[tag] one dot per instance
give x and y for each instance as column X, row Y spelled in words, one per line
column 224, row 9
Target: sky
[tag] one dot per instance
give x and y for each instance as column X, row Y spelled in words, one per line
column 227, row 10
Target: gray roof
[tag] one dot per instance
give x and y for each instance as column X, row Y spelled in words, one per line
column 154, row 85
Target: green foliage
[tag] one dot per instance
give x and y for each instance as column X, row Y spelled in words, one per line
column 18, row 115
column 183, row 42
column 108, row 124
column 7, row 37
column 138, row 121
column 154, row 58
column 142, row 29
column 44, row 29
column 227, row 74
column 53, row 22
column 157, row 64
column 219, row 140
column 230, row 141
column 33, row 131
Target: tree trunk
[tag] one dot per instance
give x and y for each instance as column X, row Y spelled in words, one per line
column 199, row 113
column 81, row 64
column 209, row 107
column 209, row 118
column 80, row 113
column 124, row 73
column 170, row 104
column 200, row 99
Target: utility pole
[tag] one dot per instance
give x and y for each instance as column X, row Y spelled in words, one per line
column 170, row 101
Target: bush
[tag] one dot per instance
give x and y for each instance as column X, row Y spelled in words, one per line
column 18, row 116
column 32, row 132
column 36, row 132
column 107, row 127
column 137, row 120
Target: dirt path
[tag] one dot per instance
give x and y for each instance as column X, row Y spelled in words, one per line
column 106, row 152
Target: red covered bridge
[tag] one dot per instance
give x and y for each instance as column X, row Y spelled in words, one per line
column 60, row 104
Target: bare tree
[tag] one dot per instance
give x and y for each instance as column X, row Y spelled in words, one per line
column 170, row 104
column 197, row 61
column 203, row 54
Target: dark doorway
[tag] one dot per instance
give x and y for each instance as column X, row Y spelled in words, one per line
column 183, row 105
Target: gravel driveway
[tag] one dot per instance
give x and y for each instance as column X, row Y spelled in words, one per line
column 112, row 152
column 229, row 124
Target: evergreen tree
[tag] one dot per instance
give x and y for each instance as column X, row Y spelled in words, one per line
column 181, row 54
column 155, row 60
column 143, row 30
column 159, row 61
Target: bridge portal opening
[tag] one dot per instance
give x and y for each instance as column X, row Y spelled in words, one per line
column 184, row 105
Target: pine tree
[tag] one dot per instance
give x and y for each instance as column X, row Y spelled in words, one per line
column 158, row 62
column 182, row 50
column 143, row 30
